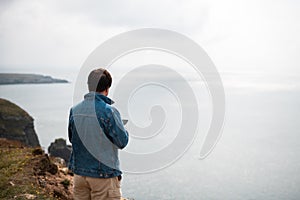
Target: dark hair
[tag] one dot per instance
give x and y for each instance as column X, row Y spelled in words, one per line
column 99, row 80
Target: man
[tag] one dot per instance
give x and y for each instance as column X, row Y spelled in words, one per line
column 97, row 133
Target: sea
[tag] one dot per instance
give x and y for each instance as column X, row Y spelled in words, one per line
column 256, row 158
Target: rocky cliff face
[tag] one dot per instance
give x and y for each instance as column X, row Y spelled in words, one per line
column 29, row 173
column 17, row 124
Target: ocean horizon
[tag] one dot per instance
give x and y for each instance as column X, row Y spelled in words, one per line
column 257, row 156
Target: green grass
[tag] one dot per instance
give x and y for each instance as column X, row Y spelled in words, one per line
column 16, row 176
column 13, row 118
column 65, row 183
column 10, row 109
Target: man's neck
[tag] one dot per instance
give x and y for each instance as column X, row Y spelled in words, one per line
column 103, row 93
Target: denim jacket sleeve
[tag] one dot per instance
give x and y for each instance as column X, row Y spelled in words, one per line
column 70, row 126
column 116, row 130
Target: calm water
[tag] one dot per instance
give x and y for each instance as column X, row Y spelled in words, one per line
column 258, row 156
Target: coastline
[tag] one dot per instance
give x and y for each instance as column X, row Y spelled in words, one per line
column 24, row 78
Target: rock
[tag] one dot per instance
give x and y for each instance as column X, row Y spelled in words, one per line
column 65, row 183
column 58, row 193
column 43, row 164
column 30, row 196
column 59, row 148
column 26, row 196
column 59, row 161
column 17, row 124
column 64, row 170
column 37, row 151
column 11, row 183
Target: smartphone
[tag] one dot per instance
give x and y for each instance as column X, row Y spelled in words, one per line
column 124, row 121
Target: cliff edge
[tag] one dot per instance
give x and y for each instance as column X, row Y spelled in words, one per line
column 17, row 124
column 29, row 173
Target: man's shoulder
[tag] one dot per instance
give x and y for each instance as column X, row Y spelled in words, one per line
column 100, row 107
column 77, row 106
column 105, row 108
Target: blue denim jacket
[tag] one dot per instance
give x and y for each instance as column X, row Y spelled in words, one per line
column 97, row 133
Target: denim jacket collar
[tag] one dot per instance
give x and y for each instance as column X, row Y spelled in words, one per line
column 99, row 97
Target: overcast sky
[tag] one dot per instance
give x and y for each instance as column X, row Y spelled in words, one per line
column 239, row 35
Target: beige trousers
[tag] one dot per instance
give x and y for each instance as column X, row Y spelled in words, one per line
column 89, row 188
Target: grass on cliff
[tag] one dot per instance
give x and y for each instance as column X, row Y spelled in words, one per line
column 10, row 109
column 13, row 118
column 16, row 175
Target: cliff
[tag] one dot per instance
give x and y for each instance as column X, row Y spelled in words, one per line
column 28, row 173
column 15, row 78
column 17, row 124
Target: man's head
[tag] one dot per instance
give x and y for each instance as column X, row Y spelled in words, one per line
column 99, row 80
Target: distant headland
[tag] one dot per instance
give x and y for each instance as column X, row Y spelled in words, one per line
column 16, row 78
